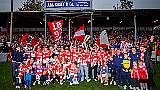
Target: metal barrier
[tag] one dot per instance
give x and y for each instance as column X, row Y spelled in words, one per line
column 3, row 57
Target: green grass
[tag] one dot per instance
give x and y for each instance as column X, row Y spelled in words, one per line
column 6, row 82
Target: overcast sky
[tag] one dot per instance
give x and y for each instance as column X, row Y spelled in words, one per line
column 97, row 4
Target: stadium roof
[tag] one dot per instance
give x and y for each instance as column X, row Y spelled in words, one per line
column 101, row 18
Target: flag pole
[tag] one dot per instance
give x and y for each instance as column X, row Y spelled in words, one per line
column 91, row 33
column 69, row 27
column 135, row 27
column 45, row 27
column 11, row 26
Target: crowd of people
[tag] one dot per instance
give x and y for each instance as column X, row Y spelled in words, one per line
column 121, row 63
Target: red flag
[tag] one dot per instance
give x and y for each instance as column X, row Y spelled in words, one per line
column 34, row 42
column 56, row 29
column 79, row 34
column 24, row 38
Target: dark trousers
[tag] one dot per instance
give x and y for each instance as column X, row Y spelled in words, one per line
column 113, row 74
column 89, row 71
column 95, row 71
column 56, row 78
column 28, row 83
column 126, row 78
column 14, row 67
column 119, row 73
column 14, row 64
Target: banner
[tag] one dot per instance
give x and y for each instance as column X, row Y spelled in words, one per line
column 67, row 4
column 56, row 29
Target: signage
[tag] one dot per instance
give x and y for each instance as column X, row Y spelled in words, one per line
column 83, row 4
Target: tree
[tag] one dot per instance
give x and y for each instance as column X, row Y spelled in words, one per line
column 30, row 5
column 124, row 4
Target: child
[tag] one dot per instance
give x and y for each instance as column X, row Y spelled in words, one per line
column 135, row 76
column 27, row 79
column 59, row 72
column 73, row 74
column 46, row 74
column 38, row 73
column 143, row 75
column 104, row 73
column 18, row 80
column 126, row 71
column 112, row 71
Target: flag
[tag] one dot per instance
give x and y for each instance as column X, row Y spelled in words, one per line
column 104, row 37
column 56, row 29
column 79, row 34
column 102, row 40
column 34, row 42
column 24, row 39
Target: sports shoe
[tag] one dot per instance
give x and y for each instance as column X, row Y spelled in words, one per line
column 82, row 80
column 44, row 83
column 25, row 86
column 39, row 82
column 137, row 88
column 88, row 80
column 34, row 83
column 130, row 87
column 106, row 84
column 125, row 87
column 111, row 82
column 61, row 83
column 95, row 79
column 70, row 83
column 101, row 81
column 17, row 86
column 75, row 82
column 114, row 83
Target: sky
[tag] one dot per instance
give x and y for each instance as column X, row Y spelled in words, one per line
column 97, row 4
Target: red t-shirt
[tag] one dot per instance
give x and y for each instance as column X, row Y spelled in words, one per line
column 142, row 72
column 83, row 58
column 135, row 72
column 38, row 55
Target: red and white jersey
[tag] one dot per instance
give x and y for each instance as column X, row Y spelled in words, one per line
column 103, row 54
column 73, row 56
column 46, row 56
column 95, row 47
column 47, row 69
column 59, row 69
column 29, row 66
column 83, row 59
column 39, row 70
column 110, row 55
column 39, row 56
column 73, row 70
column 142, row 56
column 65, row 55
column 50, row 52
column 23, row 68
column 124, row 44
column 96, row 59
column 143, row 72
column 135, row 73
